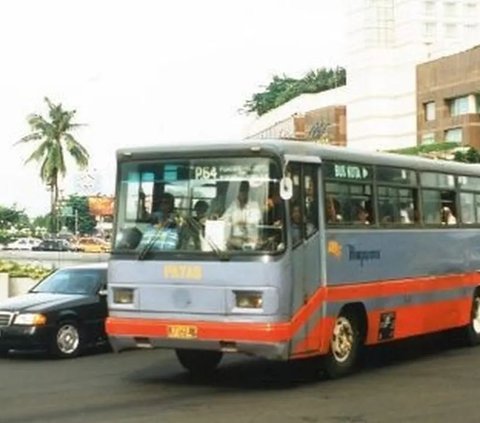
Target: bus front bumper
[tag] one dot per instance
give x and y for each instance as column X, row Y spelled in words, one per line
column 269, row 340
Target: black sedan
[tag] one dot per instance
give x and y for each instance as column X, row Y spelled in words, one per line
column 62, row 314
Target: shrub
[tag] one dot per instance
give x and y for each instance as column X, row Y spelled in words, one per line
column 17, row 270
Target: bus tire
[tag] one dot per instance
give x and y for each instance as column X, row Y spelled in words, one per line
column 472, row 331
column 345, row 345
column 199, row 362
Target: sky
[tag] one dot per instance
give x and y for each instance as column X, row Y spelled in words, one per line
column 147, row 72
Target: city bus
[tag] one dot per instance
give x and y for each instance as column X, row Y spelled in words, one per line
column 288, row 250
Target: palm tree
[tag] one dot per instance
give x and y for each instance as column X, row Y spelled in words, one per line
column 53, row 138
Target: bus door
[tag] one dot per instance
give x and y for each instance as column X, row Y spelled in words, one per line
column 304, row 237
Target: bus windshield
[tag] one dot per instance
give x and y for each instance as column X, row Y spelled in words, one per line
column 200, row 205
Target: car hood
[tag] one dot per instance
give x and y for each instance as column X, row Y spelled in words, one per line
column 42, row 302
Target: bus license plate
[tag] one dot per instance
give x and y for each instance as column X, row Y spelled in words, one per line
column 182, row 331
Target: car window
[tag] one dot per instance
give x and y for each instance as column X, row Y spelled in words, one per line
column 73, row 281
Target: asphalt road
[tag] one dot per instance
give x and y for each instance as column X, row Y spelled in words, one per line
column 428, row 380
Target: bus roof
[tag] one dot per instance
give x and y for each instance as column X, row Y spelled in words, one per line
column 300, row 148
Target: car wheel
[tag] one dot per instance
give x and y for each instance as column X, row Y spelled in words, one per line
column 199, row 362
column 66, row 342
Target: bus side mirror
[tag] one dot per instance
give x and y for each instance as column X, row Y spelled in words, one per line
column 286, row 188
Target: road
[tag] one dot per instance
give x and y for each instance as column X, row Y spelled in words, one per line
column 428, row 380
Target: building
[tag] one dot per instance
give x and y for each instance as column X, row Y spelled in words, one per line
column 448, row 99
column 387, row 39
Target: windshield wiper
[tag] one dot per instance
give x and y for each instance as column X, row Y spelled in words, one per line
column 147, row 248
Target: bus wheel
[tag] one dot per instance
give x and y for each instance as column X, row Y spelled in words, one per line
column 199, row 362
column 472, row 331
column 344, row 346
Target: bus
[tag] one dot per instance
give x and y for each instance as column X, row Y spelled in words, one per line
column 299, row 250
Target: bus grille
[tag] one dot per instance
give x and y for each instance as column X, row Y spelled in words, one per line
column 5, row 318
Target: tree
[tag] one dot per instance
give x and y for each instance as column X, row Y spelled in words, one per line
column 283, row 88
column 83, row 222
column 53, row 138
column 470, row 156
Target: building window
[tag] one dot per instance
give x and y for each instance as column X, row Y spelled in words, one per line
column 430, row 8
column 428, row 138
column 453, row 135
column 449, row 9
column 429, row 111
column 451, row 30
column 471, row 30
column 430, row 29
column 458, row 106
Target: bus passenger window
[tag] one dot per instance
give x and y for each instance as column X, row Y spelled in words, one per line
column 311, row 199
column 332, row 210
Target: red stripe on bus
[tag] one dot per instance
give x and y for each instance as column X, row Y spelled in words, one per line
column 219, row 331
column 318, row 337
column 409, row 321
column 401, row 286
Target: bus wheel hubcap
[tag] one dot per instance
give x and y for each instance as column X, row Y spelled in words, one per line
column 476, row 315
column 343, row 339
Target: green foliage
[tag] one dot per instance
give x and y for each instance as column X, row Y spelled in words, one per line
column 283, row 89
column 13, row 217
column 86, row 222
column 17, row 270
column 53, row 138
column 470, row 156
column 427, row 148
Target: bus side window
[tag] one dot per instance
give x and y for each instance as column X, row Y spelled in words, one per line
column 310, row 199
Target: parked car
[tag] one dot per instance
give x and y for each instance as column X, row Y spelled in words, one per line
column 23, row 244
column 92, row 245
column 53, row 245
column 63, row 314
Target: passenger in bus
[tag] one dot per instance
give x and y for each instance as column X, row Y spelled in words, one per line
column 273, row 214
column 244, row 216
column 362, row 216
column 164, row 216
column 448, row 217
column 194, row 228
column 297, row 224
column 332, row 210
column 164, row 229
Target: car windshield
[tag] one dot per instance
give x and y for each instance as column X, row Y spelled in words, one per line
column 73, row 281
column 219, row 205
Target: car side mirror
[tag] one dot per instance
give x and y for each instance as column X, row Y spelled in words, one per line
column 103, row 292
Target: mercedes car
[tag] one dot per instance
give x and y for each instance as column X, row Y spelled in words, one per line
column 63, row 314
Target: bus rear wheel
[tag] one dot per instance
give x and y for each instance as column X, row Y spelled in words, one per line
column 344, row 346
column 199, row 362
column 472, row 331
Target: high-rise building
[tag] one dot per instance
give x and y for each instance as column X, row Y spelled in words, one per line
column 387, row 39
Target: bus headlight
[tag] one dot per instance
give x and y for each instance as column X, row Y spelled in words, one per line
column 123, row 295
column 30, row 319
column 248, row 299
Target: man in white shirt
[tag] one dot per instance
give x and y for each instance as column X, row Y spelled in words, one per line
column 244, row 217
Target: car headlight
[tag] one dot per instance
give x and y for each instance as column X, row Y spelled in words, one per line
column 248, row 299
column 30, row 319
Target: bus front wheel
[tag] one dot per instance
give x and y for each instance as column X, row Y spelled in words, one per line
column 472, row 331
column 199, row 362
column 344, row 346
